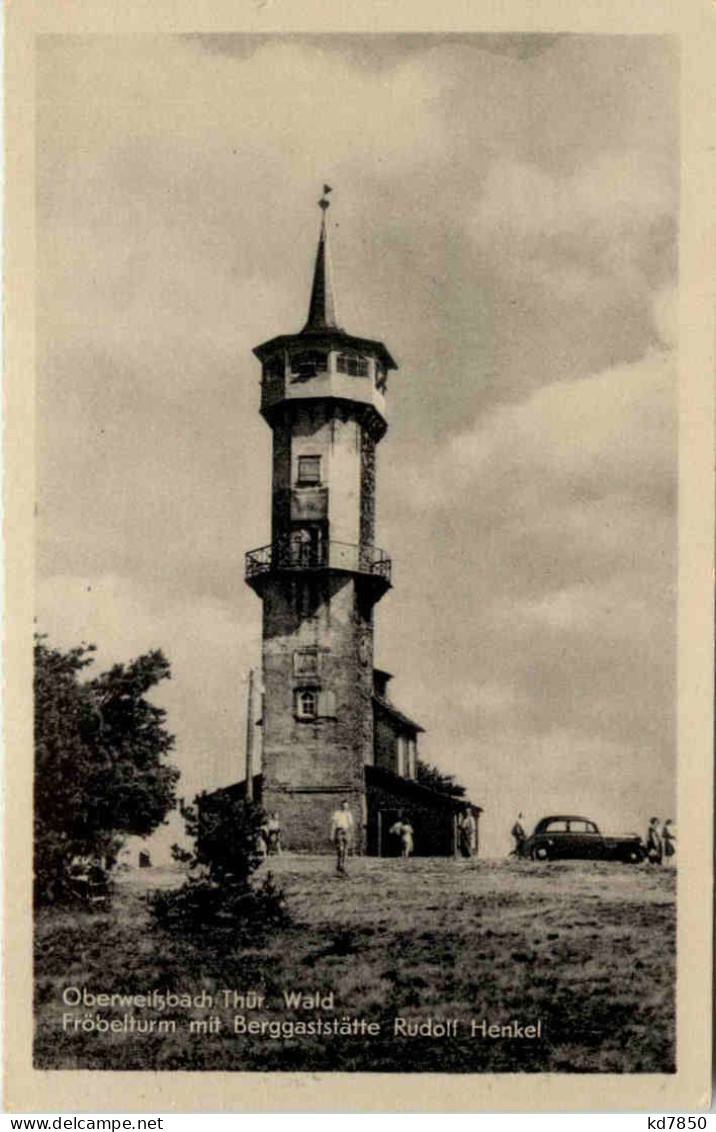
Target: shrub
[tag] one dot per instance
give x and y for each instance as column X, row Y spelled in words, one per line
column 219, row 891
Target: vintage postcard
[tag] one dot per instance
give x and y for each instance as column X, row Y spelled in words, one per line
column 359, row 512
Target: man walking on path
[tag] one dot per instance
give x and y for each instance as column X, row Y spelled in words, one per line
column 341, row 829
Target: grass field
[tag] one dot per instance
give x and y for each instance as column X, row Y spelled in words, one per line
column 586, row 948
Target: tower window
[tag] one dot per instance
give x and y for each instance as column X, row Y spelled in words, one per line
column 274, row 367
column 381, row 379
column 308, row 363
column 306, row 704
column 352, row 365
column 309, row 471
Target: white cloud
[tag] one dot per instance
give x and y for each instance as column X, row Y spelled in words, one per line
column 611, row 433
column 579, row 234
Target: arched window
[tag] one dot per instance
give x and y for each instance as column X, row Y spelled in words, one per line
column 306, row 704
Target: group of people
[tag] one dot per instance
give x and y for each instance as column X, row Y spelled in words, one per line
column 660, row 844
column 403, row 832
column 341, row 833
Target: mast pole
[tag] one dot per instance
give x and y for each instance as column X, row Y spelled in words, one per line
column 250, row 736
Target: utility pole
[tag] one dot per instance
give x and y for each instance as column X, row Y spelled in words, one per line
column 250, row 736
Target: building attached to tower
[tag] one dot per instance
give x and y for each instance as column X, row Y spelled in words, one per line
column 329, row 728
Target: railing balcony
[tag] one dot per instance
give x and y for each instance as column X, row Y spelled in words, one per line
column 292, row 555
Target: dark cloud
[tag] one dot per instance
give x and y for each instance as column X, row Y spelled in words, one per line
column 380, row 51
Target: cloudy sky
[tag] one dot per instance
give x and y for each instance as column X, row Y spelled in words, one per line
column 504, row 218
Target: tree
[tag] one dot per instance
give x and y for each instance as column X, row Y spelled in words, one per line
column 218, row 892
column 226, row 832
column 100, row 751
column 433, row 778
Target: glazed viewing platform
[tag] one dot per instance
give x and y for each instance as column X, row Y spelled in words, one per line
column 354, row 559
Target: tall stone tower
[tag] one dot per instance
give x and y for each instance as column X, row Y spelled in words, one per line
column 323, row 395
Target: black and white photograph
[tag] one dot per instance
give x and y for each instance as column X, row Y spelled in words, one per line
column 356, row 539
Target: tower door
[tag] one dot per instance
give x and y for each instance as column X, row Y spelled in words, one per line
column 308, row 545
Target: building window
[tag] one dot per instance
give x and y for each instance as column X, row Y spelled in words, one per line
column 315, row 703
column 352, row 364
column 309, row 363
column 401, row 751
column 306, row 662
column 412, row 759
column 381, row 378
column 309, row 471
column 306, row 704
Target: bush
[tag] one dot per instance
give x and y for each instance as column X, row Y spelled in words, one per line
column 219, row 891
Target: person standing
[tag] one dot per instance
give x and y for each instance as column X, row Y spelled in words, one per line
column 273, row 836
column 341, row 831
column 396, row 833
column 668, row 839
column 654, row 844
column 406, row 839
column 467, row 828
column 519, row 835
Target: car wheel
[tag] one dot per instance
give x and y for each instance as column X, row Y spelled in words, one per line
column 634, row 857
column 540, row 853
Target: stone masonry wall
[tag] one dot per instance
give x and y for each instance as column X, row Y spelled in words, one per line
column 309, row 766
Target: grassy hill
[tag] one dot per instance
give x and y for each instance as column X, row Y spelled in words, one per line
column 584, row 948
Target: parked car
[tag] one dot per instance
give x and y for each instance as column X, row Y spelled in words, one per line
column 88, row 882
column 566, row 835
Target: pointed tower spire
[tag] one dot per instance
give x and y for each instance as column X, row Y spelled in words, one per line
column 322, row 308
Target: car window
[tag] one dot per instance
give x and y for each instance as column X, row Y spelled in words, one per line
column 557, row 826
column 579, row 827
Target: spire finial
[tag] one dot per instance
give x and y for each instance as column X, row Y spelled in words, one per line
column 322, row 308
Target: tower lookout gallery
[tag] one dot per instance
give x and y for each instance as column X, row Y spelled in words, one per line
column 329, row 729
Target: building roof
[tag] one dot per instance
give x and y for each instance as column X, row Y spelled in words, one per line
column 412, row 790
column 382, row 675
column 391, row 710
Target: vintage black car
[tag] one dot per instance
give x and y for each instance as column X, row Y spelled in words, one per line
column 566, row 835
